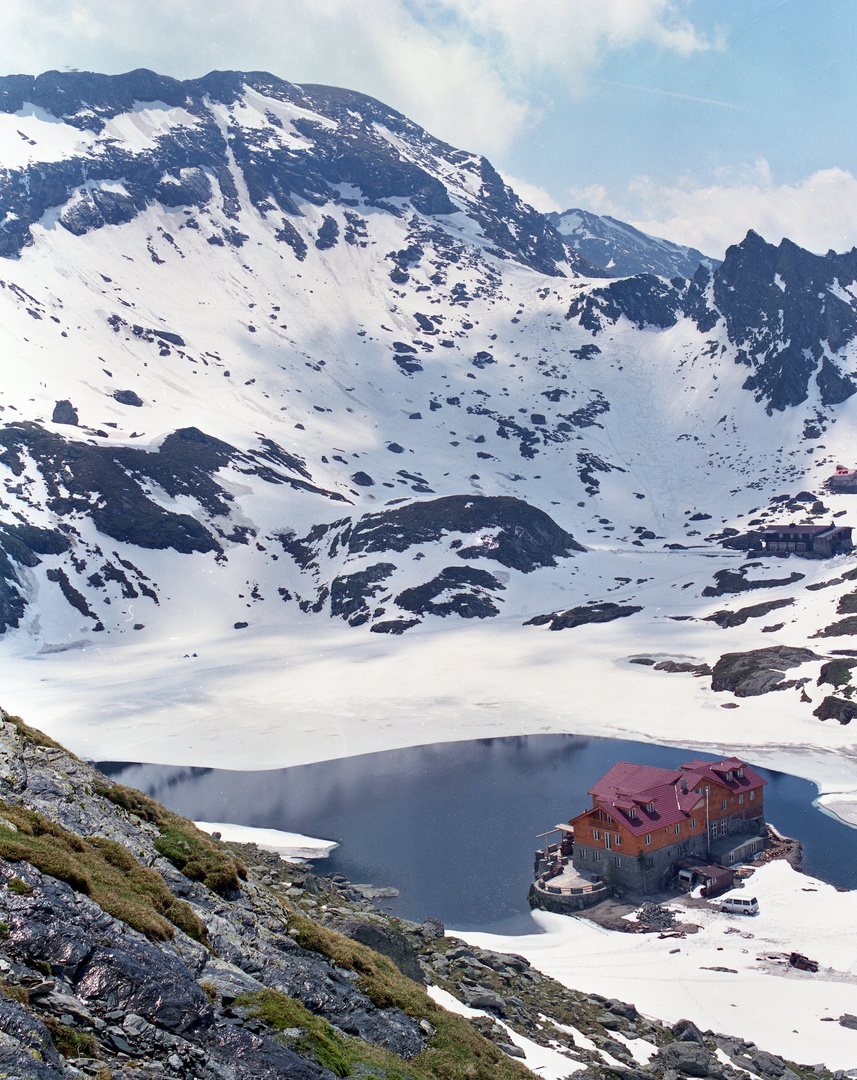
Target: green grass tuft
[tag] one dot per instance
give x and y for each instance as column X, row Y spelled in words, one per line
column 317, row 1039
column 15, row 993
column 456, row 1051
column 33, row 735
column 101, row 869
column 71, row 1042
column 196, row 854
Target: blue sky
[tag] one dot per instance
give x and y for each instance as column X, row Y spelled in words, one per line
column 694, row 119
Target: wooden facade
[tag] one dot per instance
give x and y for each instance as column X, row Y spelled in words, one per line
column 821, row 541
column 644, row 818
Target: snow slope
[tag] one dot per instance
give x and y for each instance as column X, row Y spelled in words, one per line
column 758, row 996
column 305, row 310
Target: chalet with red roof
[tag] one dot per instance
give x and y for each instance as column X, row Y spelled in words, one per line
column 644, row 819
column 843, row 480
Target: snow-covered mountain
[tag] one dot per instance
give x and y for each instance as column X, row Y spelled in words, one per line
column 619, row 250
column 315, row 440
column 276, row 355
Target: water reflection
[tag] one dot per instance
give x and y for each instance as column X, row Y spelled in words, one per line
column 453, row 825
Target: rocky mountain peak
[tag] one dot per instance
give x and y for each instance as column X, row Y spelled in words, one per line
column 286, row 143
column 618, row 249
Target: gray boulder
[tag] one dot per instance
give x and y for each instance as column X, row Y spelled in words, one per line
column 690, row 1059
column 758, row 671
column 64, row 413
column 687, row 1031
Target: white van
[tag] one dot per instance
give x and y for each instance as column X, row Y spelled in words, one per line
column 737, row 905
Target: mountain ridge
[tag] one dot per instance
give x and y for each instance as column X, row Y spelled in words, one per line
column 255, row 310
column 621, row 250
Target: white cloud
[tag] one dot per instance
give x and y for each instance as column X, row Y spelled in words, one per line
column 568, row 34
column 537, row 197
column 817, row 213
column 472, row 71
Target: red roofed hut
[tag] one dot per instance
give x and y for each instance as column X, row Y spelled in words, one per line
column 644, row 818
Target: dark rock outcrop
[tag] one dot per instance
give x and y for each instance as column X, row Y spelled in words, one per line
column 783, row 309
column 759, row 671
column 581, row 616
column 836, row 708
column 465, row 591
column 729, row 619
column 499, row 529
column 65, row 413
column 523, row 537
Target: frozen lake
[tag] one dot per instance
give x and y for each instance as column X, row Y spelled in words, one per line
column 453, row 826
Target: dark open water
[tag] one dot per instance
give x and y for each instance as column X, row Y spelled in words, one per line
column 453, row 825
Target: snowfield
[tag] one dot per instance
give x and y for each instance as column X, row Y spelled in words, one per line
column 760, row 998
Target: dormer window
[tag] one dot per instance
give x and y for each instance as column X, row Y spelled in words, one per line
column 650, row 807
column 740, row 773
column 729, row 777
column 632, row 813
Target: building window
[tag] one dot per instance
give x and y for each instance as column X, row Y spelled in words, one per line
column 609, row 819
column 752, row 795
column 693, row 823
column 729, row 777
column 600, row 815
column 740, row 772
column 648, row 838
column 723, row 805
column 618, row 839
column 678, row 829
column 650, row 807
column 618, row 861
column 740, row 799
column 596, row 856
column 596, row 835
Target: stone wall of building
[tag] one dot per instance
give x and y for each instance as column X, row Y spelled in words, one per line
column 653, row 870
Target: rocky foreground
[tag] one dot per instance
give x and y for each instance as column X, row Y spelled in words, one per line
column 134, row 946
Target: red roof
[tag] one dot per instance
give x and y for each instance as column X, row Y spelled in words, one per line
column 625, row 778
column 718, row 772
column 627, row 791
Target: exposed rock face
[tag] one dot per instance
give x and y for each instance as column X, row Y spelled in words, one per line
column 497, row 529
column 728, row 619
column 460, row 590
column 355, row 141
column 736, row 581
column 836, row 708
column 65, row 413
column 620, row 250
column 759, row 671
column 523, row 537
column 581, row 616
column 783, row 309
column 112, row 487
